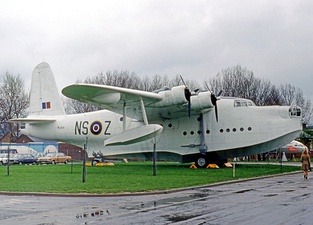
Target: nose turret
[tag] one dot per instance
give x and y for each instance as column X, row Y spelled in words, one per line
column 290, row 111
column 295, row 111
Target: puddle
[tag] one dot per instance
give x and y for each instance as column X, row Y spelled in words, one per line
column 270, row 195
column 243, row 191
column 165, row 201
column 180, row 217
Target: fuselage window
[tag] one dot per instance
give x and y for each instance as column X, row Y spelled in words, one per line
column 207, row 131
column 184, row 133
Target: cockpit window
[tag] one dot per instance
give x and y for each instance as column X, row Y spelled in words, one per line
column 243, row 102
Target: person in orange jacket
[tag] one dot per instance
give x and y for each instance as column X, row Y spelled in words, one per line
column 306, row 163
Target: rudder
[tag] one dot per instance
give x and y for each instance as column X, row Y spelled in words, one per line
column 44, row 95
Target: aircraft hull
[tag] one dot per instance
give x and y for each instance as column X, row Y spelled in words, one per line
column 180, row 139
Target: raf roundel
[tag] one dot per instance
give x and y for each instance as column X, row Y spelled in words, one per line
column 96, row 127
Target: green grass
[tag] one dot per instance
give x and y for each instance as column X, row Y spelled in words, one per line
column 131, row 177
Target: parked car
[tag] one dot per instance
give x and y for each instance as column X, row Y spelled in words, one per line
column 23, row 159
column 3, row 158
column 54, row 158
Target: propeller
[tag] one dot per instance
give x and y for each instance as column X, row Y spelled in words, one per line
column 214, row 99
column 187, row 95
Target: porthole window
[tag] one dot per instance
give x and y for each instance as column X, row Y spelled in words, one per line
column 207, row 131
column 227, row 130
column 199, row 132
column 185, row 133
column 234, row 129
column 221, row 130
column 241, row 129
column 249, row 128
column 121, row 119
column 170, row 125
column 198, row 118
column 192, row 132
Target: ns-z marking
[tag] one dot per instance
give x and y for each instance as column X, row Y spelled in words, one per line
column 96, row 127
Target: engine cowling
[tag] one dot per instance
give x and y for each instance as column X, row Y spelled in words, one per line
column 201, row 101
column 175, row 96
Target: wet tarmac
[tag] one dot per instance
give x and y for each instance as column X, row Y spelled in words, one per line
column 285, row 199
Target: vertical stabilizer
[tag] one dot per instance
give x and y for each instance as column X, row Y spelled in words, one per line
column 45, row 99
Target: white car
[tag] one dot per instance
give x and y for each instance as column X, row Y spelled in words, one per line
column 3, row 158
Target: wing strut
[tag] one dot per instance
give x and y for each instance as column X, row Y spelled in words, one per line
column 124, row 116
column 137, row 134
column 143, row 110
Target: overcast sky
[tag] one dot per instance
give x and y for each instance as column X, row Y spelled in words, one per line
column 196, row 39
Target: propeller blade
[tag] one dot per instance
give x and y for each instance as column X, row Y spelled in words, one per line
column 214, row 99
column 187, row 95
column 216, row 113
column 214, row 102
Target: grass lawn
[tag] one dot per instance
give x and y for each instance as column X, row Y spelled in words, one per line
column 130, row 177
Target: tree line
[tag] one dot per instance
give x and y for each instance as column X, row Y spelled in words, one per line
column 234, row 81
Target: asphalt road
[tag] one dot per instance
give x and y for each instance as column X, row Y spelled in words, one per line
column 283, row 199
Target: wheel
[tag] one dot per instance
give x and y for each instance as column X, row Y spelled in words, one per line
column 201, row 162
column 52, row 162
column 65, row 162
column 20, row 163
column 94, row 163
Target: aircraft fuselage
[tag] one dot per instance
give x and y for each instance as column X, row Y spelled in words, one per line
column 241, row 130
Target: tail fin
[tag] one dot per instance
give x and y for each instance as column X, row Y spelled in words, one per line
column 45, row 99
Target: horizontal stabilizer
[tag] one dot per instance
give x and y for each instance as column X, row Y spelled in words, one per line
column 135, row 135
column 32, row 120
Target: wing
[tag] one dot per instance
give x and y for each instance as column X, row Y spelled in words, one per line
column 169, row 103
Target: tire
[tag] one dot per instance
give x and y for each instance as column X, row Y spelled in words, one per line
column 21, row 163
column 65, row 162
column 94, row 163
column 201, row 162
column 52, row 162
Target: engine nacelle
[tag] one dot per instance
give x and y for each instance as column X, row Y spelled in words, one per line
column 175, row 96
column 201, row 101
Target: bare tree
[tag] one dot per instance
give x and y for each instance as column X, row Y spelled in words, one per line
column 14, row 102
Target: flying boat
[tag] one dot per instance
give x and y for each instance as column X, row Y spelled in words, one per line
column 179, row 124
